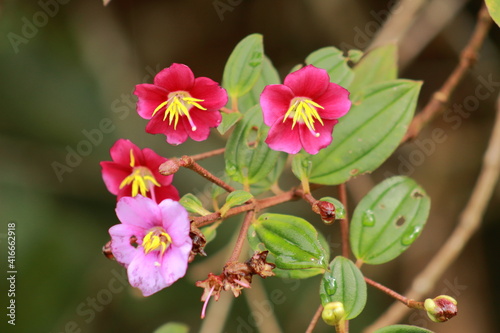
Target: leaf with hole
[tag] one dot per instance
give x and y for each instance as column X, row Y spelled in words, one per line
column 294, row 245
column 248, row 158
column 388, row 220
column 344, row 283
column 371, row 131
column 333, row 61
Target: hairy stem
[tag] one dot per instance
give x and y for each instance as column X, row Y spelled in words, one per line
column 314, row 319
column 242, row 236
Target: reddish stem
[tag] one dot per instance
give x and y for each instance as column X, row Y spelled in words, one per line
column 406, row 301
column 242, row 236
column 208, row 154
column 314, row 319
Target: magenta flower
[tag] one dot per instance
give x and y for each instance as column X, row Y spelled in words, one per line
column 134, row 171
column 152, row 242
column 180, row 105
column 303, row 111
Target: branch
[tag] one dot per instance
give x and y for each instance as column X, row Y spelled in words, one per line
column 469, row 222
column 315, row 319
column 440, row 99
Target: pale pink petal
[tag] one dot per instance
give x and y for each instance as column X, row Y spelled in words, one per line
column 281, row 137
column 146, row 273
column 121, row 247
column 335, row 101
column 313, row 144
column 177, row 77
column 309, row 81
column 214, row 97
column 149, row 97
column 175, row 220
column 275, row 101
column 139, row 211
column 113, row 174
column 175, row 262
column 120, row 152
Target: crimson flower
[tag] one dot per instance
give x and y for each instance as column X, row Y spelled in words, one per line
column 303, row 111
column 134, row 171
column 180, row 105
column 152, row 242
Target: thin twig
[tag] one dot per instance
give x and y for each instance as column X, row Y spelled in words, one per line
column 208, row 154
column 314, row 319
column 469, row 222
column 468, row 57
column 344, row 223
column 406, row 301
column 242, row 236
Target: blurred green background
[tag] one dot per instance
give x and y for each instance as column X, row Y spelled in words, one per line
column 67, row 66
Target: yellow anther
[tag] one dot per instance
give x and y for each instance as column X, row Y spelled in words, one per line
column 157, row 239
column 304, row 111
column 142, row 181
column 177, row 105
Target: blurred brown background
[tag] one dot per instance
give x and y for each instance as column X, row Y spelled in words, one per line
column 65, row 66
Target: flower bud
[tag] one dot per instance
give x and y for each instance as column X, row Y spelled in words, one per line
column 333, row 313
column 441, row 308
column 326, row 210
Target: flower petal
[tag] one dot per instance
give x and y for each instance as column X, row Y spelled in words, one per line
column 113, row 174
column 203, row 120
column 153, row 162
column 166, row 192
column 281, row 137
column 174, row 136
column 149, row 97
column 313, row 144
column 120, row 152
column 275, row 101
column 145, row 273
column 121, row 248
column 139, row 211
column 335, row 101
column 175, row 221
column 309, row 81
column 174, row 78
column 214, row 97
column 175, row 262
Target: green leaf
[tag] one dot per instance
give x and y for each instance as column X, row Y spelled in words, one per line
column 339, row 207
column 379, row 65
column 368, row 134
column 234, row 199
column 248, row 158
column 301, row 166
column 271, row 179
column 293, row 244
column 354, row 55
column 388, row 220
column 243, row 66
column 402, row 329
column 494, row 10
column 173, row 327
column 344, row 283
column 228, row 120
column 269, row 75
column 210, row 231
column 333, row 60
column 193, row 204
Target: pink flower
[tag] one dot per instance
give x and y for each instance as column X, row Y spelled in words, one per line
column 134, row 171
column 303, row 111
column 180, row 105
column 152, row 242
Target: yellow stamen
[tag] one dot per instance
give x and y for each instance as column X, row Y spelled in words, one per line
column 142, row 181
column 157, row 239
column 178, row 105
column 132, row 158
column 304, row 111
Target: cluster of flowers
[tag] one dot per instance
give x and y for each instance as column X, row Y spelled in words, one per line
column 153, row 240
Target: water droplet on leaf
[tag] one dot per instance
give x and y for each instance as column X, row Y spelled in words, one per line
column 330, row 286
column 410, row 235
column 368, row 219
